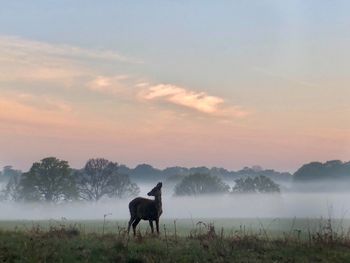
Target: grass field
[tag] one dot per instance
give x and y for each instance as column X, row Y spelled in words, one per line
column 183, row 240
column 273, row 227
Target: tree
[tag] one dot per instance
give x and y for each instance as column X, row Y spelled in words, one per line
column 257, row 171
column 145, row 172
column 8, row 172
column 9, row 178
column 12, row 190
column 197, row 184
column 328, row 171
column 49, row 180
column 258, row 184
column 100, row 178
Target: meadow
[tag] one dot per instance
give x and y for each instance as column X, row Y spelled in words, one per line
column 224, row 228
column 182, row 240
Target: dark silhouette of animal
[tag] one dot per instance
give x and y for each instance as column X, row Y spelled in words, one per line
column 146, row 209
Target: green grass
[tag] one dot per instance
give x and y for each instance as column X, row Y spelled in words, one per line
column 224, row 240
column 273, row 227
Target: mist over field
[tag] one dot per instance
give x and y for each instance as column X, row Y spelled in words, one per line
column 316, row 190
column 283, row 205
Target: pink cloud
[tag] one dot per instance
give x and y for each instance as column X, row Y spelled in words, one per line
column 35, row 111
column 109, row 85
column 199, row 101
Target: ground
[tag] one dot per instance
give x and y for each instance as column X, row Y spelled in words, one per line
column 180, row 241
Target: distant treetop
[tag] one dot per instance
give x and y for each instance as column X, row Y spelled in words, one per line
column 198, row 184
column 331, row 170
column 258, row 184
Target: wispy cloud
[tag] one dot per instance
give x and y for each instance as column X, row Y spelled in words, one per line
column 41, row 102
column 34, row 111
column 28, row 61
column 21, row 47
column 199, row 101
column 23, row 62
column 108, row 85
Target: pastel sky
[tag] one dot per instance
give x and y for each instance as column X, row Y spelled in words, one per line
column 175, row 82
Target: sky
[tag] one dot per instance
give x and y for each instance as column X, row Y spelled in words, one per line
column 175, row 82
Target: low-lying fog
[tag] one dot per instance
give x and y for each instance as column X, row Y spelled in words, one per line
column 284, row 205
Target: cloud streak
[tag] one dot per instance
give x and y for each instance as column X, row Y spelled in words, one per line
column 22, row 47
column 198, row 101
column 31, row 111
column 27, row 61
column 109, row 85
column 24, row 62
column 42, row 102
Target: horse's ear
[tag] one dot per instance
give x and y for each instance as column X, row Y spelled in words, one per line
column 159, row 185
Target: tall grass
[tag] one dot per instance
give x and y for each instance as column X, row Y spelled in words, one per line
column 63, row 241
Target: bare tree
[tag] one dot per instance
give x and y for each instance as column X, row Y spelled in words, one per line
column 100, row 178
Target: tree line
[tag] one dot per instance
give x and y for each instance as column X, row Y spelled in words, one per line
column 198, row 184
column 146, row 172
column 53, row 180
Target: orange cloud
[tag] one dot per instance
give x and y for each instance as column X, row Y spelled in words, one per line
column 199, row 101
